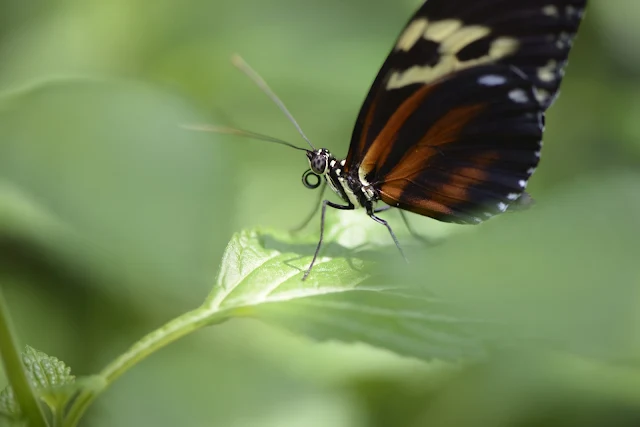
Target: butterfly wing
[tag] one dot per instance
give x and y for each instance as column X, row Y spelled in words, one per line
column 474, row 145
column 465, row 86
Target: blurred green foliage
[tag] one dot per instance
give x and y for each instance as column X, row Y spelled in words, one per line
column 114, row 219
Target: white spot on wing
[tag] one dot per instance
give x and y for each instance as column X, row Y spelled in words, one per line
column 571, row 10
column 502, row 207
column 492, row 80
column 522, row 183
column 519, row 96
column 513, row 196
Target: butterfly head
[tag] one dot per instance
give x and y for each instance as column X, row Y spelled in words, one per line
column 319, row 161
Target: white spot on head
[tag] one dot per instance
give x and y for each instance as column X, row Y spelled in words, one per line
column 492, row 80
column 513, row 196
column 522, row 183
column 502, row 207
column 519, row 96
column 551, row 10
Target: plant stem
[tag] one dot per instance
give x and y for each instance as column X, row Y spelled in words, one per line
column 150, row 343
column 29, row 405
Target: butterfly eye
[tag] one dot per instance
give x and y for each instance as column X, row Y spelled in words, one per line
column 318, row 164
column 311, row 180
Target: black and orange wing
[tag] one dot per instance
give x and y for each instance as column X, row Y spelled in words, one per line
column 480, row 145
column 453, row 122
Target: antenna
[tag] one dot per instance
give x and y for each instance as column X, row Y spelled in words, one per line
column 238, row 132
column 242, row 65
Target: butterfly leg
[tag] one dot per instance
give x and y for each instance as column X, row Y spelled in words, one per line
column 413, row 232
column 313, row 212
column 382, row 209
column 373, row 216
column 325, row 203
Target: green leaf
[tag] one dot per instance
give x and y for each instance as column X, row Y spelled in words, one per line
column 50, row 377
column 8, row 404
column 261, row 276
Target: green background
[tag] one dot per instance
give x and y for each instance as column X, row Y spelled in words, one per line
column 93, row 96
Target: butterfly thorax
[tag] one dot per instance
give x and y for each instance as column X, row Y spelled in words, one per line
column 347, row 186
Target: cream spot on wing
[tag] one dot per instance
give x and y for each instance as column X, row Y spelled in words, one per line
column 438, row 31
column 414, row 32
column 551, row 10
column 501, row 47
column 463, row 37
column 547, row 73
column 542, row 95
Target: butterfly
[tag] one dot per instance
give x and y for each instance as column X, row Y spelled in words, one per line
column 452, row 126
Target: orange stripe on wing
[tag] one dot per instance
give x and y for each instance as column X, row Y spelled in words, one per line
column 362, row 142
column 383, row 144
column 444, row 131
column 394, row 196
